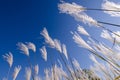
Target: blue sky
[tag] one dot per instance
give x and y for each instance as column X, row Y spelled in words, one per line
column 22, row 21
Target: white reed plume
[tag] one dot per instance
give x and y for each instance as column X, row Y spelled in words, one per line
column 70, row 8
column 81, row 42
column 82, row 30
column 16, row 72
column 44, row 53
column 48, row 39
column 31, row 46
column 58, row 45
column 106, row 35
column 65, row 51
column 9, row 58
column 86, row 19
column 24, row 49
column 77, row 14
column 27, row 73
column 36, row 69
column 108, row 5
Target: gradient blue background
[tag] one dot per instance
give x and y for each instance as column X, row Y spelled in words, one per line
column 22, row 21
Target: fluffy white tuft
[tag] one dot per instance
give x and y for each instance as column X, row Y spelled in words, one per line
column 44, row 53
column 58, row 45
column 16, row 72
column 82, row 30
column 65, row 51
column 23, row 48
column 31, row 46
column 81, row 42
column 70, row 8
column 108, row 5
column 27, row 73
column 36, row 69
column 9, row 58
column 48, row 39
column 76, row 11
column 106, row 35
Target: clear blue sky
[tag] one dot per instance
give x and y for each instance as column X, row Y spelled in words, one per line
column 22, row 21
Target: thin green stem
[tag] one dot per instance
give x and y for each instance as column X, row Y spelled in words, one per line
column 117, row 25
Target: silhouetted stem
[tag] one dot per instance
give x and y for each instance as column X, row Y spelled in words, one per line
column 100, row 9
column 109, row 23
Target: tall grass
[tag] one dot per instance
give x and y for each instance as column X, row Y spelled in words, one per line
column 106, row 59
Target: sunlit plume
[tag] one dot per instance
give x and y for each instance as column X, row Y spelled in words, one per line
column 23, row 48
column 81, row 30
column 105, row 34
column 58, row 45
column 9, row 58
column 78, row 14
column 65, row 51
column 86, row 19
column 48, row 39
column 36, row 69
column 31, row 46
column 27, row 73
column 70, row 8
column 44, row 53
column 108, row 5
column 16, row 72
column 81, row 42
column 47, row 74
column 54, row 43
